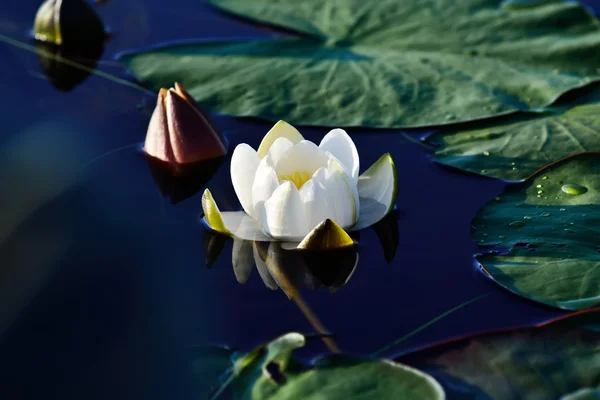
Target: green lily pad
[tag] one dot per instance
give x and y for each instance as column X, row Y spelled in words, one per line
column 548, row 235
column 514, row 148
column 270, row 372
column 385, row 63
column 551, row 362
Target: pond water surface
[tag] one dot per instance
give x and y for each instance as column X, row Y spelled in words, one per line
column 103, row 282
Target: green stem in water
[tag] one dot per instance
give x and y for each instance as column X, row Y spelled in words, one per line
column 426, row 325
column 24, row 46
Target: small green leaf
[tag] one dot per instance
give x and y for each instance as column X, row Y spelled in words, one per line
column 269, row 372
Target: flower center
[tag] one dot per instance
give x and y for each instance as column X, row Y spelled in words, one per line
column 298, row 178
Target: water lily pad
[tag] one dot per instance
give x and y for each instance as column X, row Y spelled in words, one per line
column 548, row 237
column 516, row 147
column 539, row 363
column 270, row 372
column 385, row 63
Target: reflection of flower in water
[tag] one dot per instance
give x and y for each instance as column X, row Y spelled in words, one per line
column 288, row 268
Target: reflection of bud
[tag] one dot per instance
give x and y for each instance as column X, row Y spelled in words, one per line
column 68, row 23
column 55, row 62
column 70, row 41
column 185, row 181
column 179, row 132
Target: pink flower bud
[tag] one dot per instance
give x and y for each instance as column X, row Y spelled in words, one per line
column 179, row 132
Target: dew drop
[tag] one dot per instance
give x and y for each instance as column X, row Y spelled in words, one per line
column 563, row 209
column 450, row 117
column 545, row 177
column 516, row 224
column 528, row 217
column 514, row 168
column 501, row 237
column 545, row 214
column 540, row 191
column 574, row 189
column 484, row 171
column 538, row 186
column 486, row 153
column 569, row 230
column 498, row 199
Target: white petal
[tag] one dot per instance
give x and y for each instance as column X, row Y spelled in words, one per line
column 279, row 147
column 243, row 226
column 242, row 259
column 265, row 183
column 342, row 194
column 305, row 156
column 339, row 143
column 284, row 216
column 244, row 163
column 377, row 188
column 317, row 204
column 280, row 129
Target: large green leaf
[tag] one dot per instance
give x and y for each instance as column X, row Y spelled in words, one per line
column 516, row 147
column 270, row 372
column 536, row 364
column 548, row 235
column 385, row 63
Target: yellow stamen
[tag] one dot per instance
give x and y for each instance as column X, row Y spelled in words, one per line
column 298, row 178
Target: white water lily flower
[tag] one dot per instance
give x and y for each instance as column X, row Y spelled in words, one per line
column 291, row 185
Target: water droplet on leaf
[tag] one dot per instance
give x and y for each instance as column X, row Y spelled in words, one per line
column 574, row 189
column 516, row 224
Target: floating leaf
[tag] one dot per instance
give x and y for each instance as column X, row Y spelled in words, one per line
column 550, row 235
column 385, row 63
column 270, row 372
column 516, row 147
column 538, row 364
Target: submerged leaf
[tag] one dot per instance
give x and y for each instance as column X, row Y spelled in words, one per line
column 550, row 235
column 385, row 63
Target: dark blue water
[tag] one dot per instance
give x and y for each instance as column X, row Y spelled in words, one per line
column 103, row 282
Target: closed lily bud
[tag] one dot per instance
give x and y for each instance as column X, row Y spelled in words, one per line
column 179, row 132
column 68, row 22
